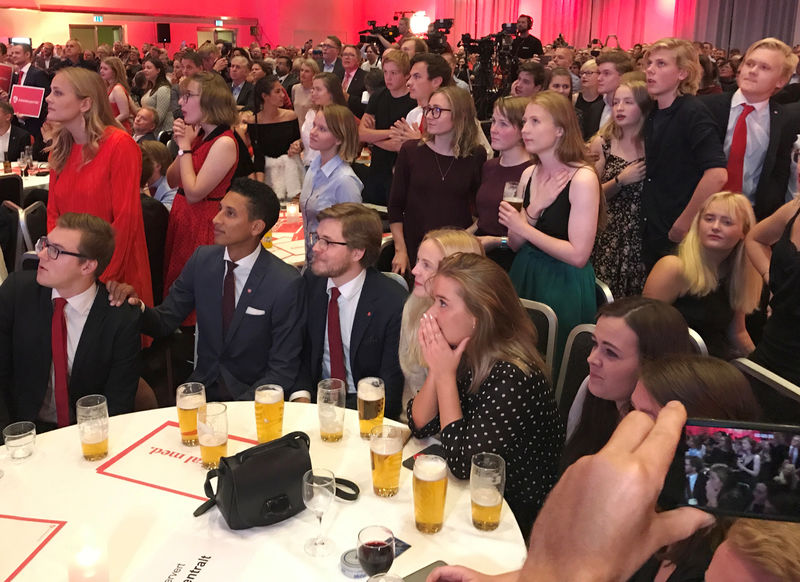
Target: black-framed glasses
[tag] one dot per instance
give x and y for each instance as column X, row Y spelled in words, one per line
column 324, row 243
column 185, row 96
column 434, row 111
column 54, row 252
column 588, row 72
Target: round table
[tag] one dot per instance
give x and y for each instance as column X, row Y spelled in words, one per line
column 137, row 506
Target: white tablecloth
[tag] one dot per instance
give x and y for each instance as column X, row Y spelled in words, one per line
column 139, row 523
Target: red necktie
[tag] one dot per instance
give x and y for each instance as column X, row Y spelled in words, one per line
column 21, row 77
column 422, row 124
column 228, row 297
column 346, row 82
column 738, row 147
column 335, row 348
column 58, row 341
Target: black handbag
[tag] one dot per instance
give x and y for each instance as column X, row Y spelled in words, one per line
column 261, row 485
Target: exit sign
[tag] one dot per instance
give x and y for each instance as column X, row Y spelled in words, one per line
column 98, row 19
column 217, row 23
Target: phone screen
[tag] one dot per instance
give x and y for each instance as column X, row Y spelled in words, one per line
column 737, row 468
column 422, row 574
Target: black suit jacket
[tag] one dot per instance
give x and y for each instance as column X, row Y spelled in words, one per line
column 374, row 341
column 354, row 91
column 265, row 338
column 783, row 129
column 35, row 78
column 338, row 68
column 17, row 141
column 106, row 361
column 49, row 68
column 245, row 98
column 290, row 81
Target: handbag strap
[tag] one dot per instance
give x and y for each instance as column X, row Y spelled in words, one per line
column 343, row 493
column 211, row 502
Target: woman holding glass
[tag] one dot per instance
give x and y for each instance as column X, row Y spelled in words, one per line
column 486, row 390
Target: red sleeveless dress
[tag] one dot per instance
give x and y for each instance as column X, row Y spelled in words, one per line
column 115, row 110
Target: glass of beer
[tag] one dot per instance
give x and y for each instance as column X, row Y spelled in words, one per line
column 269, row 412
column 430, row 489
column 386, row 455
column 371, row 402
column 92, row 414
column 510, row 195
column 189, row 398
column 330, row 405
column 212, row 432
column 487, row 483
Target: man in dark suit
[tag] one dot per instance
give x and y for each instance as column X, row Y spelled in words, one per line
column 30, row 76
column 18, row 138
column 695, row 481
column 59, row 337
column 330, row 61
column 283, row 68
column 46, row 60
column 368, row 306
column 771, row 128
column 73, row 56
column 353, row 80
column 242, row 89
column 249, row 303
column 144, row 124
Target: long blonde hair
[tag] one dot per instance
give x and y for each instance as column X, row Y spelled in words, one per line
column 612, row 130
column 87, row 85
column 744, row 284
column 449, row 241
column 115, row 64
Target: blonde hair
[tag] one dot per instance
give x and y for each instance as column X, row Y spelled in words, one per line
column 216, row 100
column 310, row 63
column 612, row 130
column 399, row 58
column 87, row 85
column 773, row 44
column 465, row 127
column 772, row 546
column 342, row 125
column 686, row 59
column 115, row 64
column 449, row 241
column 744, row 284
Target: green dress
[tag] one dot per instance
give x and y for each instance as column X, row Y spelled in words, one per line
column 568, row 290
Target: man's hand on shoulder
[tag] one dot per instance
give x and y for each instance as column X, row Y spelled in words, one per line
column 119, row 292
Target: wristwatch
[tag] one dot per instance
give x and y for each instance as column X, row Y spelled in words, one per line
column 504, row 242
column 181, row 152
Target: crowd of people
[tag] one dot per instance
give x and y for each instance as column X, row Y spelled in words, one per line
column 667, row 171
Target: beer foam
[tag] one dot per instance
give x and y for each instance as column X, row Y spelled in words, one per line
column 430, row 468
column 368, row 391
column 269, row 396
column 486, row 496
column 191, row 401
column 212, row 440
column 384, row 446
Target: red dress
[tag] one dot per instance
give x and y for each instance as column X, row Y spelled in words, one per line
column 190, row 224
column 108, row 187
column 115, row 110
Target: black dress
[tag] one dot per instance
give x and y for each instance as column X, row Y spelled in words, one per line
column 779, row 347
column 271, row 140
column 710, row 316
column 515, row 416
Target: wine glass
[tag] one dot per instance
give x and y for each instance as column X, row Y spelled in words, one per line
column 375, row 549
column 319, row 489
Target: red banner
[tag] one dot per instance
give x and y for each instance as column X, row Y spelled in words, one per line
column 5, row 77
column 27, row 101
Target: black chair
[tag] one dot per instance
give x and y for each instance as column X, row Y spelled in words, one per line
column 11, row 188
column 172, row 146
column 164, row 136
column 546, row 323
column 156, row 219
column 29, row 226
column 698, row 343
column 574, row 367
column 779, row 399
column 602, row 293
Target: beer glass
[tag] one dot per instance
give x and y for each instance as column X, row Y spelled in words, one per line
column 189, row 398
column 212, row 432
column 386, row 455
column 20, row 440
column 375, row 549
column 92, row 414
column 269, row 412
column 510, row 195
column 430, row 489
column 371, row 402
column 319, row 489
column 486, row 486
column 330, row 405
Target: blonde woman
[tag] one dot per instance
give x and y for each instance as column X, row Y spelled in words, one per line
column 96, row 168
column 330, row 179
column 112, row 71
column 301, row 92
column 437, row 177
column 436, row 245
column 711, row 281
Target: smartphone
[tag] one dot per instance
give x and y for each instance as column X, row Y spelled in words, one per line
column 743, row 469
column 422, row 574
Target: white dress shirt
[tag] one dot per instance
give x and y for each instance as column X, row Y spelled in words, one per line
column 4, row 139
column 605, row 117
column 757, row 140
column 242, row 270
column 76, row 312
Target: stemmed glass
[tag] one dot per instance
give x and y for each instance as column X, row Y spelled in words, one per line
column 319, row 489
column 375, row 549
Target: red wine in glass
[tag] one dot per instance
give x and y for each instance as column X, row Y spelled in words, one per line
column 375, row 549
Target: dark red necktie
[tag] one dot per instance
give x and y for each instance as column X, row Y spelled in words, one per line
column 335, row 348
column 738, row 147
column 228, row 298
column 58, row 343
column 422, row 124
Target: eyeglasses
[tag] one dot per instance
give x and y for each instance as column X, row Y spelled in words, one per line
column 324, row 243
column 185, row 96
column 54, row 252
column 588, row 72
column 435, row 112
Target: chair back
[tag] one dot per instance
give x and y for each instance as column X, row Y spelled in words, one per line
column 34, row 224
column 574, row 367
column 602, row 293
column 11, row 188
column 546, row 323
column 779, row 399
column 156, row 220
column 164, row 136
column 698, row 343
column 397, row 278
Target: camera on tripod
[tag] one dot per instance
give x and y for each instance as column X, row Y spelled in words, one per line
column 369, row 35
column 437, row 33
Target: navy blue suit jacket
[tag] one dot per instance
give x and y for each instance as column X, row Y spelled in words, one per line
column 374, row 341
column 264, row 341
column 106, row 360
column 35, row 78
